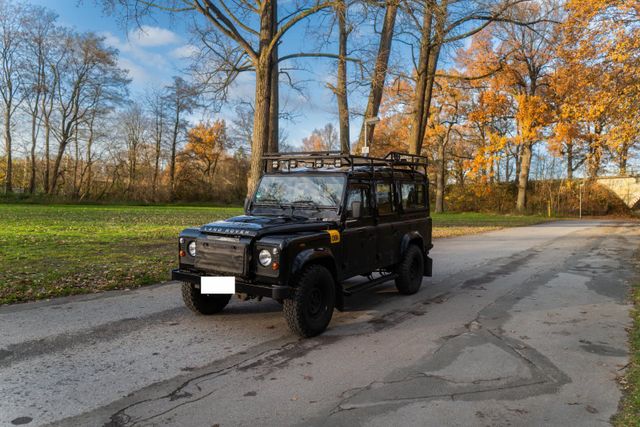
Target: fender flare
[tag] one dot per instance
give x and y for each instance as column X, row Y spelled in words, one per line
column 411, row 236
column 313, row 254
column 325, row 256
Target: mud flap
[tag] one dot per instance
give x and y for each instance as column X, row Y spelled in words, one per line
column 428, row 266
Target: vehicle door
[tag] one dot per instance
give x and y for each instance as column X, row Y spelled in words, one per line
column 358, row 236
column 387, row 216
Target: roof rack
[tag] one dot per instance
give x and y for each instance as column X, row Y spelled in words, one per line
column 335, row 159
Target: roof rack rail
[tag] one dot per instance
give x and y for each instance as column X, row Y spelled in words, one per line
column 335, row 159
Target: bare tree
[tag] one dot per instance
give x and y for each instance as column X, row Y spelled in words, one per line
column 445, row 22
column 241, row 37
column 134, row 129
column 39, row 26
column 181, row 97
column 379, row 74
column 87, row 63
column 324, row 139
column 11, row 49
column 158, row 108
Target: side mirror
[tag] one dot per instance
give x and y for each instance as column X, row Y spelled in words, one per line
column 356, row 209
column 247, row 204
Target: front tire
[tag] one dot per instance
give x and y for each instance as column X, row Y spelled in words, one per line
column 410, row 271
column 309, row 312
column 203, row 304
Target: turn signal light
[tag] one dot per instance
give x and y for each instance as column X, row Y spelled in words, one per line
column 275, row 266
column 183, row 253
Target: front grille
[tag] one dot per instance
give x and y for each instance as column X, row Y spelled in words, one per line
column 221, row 254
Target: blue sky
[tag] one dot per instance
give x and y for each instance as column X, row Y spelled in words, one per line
column 161, row 48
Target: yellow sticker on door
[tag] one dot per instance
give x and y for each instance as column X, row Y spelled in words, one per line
column 334, row 235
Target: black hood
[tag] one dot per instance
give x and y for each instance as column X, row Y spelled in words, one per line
column 253, row 225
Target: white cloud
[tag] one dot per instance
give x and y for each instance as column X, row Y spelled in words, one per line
column 184, row 52
column 149, row 36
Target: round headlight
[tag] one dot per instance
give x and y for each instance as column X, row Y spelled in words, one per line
column 192, row 248
column 264, row 257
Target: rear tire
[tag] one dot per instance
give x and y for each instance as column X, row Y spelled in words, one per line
column 310, row 310
column 410, row 271
column 203, row 304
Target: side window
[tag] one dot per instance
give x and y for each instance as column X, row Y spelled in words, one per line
column 358, row 193
column 413, row 195
column 384, row 198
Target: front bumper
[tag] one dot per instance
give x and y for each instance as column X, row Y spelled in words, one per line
column 271, row 291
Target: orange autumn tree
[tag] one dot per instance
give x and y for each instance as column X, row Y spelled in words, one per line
column 601, row 53
column 529, row 54
column 206, row 146
column 489, row 110
column 443, row 129
column 392, row 133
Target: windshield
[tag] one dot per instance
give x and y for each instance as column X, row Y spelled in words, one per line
column 305, row 191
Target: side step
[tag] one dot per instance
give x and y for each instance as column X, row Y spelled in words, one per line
column 366, row 285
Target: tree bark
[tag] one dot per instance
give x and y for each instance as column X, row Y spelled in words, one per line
column 341, row 84
column 622, row 161
column 417, row 124
column 8, row 183
column 523, row 177
column 274, row 107
column 569, row 161
column 158, row 151
column 263, row 91
column 32, row 154
column 428, row 64
column 380, row 70
column 440, row 178
column 174, row 145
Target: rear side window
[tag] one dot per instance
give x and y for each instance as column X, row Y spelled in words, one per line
column 358, row 193
column 413, row 195
column 384, row 198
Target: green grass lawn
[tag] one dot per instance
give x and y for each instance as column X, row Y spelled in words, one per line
column 629, row 410
column 55, row 250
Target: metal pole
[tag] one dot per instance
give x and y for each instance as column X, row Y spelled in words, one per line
column 581, row 200
column 365, row 152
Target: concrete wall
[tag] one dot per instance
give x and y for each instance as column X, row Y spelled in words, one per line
column 627, row 188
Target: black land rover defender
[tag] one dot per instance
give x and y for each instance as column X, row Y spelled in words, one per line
column 314, row 221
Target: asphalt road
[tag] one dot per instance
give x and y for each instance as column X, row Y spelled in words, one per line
column 522, row 326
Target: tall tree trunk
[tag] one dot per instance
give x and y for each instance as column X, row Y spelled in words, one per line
column 380, row 70
column 47, row 141
column 622, row 165
column 58, row 162
column 417, row 124
column 570, row 161
column 76, row 161
column 8, row 183
column 440, row 178
column 89, row 165
column 34, row 140
column 523, row 177
column 517, row 158
column 261, row 115
column 341, row 84
column 274, row 107
column 428, row 64
column 156, row 165
column 174, row 147
column 260, row 124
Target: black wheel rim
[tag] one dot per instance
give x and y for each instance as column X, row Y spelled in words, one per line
column 316, row 301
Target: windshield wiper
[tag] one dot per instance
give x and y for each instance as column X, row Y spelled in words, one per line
column 271, row 202
column 306, row 202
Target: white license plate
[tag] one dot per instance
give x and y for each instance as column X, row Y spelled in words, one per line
column 218, row 285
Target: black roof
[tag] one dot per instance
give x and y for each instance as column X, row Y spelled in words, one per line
column 393, row 163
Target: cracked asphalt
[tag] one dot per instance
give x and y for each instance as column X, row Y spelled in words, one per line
column 522, row 326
